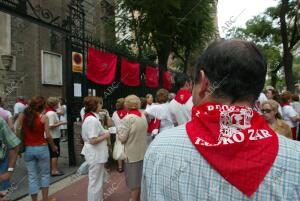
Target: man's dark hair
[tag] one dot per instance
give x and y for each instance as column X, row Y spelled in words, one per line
column 236, row 69
column 181, row 79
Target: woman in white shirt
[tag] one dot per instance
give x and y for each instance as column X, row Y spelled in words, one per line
column 95, row 148
column 160, row 110
column 289, row 115
column 117, row 117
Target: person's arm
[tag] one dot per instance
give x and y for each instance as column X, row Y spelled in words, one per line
column 296, row 118
column 97, row 140
column 48, row 135
column 10, row 123
column 13, row 146
column 94, row 137
column 293, row 115
column 124, row 131
column 52, row 121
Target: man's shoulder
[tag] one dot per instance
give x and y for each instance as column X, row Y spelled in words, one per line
column 289, row 149
column 174, row 139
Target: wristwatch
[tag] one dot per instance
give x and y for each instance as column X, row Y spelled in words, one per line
column 10, row 169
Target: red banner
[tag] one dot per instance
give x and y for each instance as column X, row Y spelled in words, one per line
column 167, row 80
column 151, row 77
column 101, row 66
column 130, row 73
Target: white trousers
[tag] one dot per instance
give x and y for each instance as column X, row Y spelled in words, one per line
column 96, row 181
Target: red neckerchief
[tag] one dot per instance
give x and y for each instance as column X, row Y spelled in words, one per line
column 236, row 141
column 182, row 96
column 285, row 104
column 121, row 113
column 135, row 112
column 48, row 109
column 21, row 101
column 89, row 114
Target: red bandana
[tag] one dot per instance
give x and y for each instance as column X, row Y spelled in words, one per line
column 135, row 112
column 284, row 104
column 48, row 109
column 182, row 96
column 121, row 113
column 22, row 101
column 88, row 114
column 236, row 141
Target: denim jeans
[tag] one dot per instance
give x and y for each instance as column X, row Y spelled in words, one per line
column 4, row 185
column 37, row 160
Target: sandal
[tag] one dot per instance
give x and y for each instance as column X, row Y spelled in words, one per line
column 58, row 173
column 120, row 169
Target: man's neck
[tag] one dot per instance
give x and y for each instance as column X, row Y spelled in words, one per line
column 226, row 101
column 184, row 88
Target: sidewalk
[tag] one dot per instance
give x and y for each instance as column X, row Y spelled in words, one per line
column 74, row 188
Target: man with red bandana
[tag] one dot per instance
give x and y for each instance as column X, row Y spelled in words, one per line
column 227, row 151
column 181, row 106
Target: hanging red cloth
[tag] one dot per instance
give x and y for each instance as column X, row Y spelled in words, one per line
column 130, row 73
column 151, row 77
column 167, row 80
column 101, row 66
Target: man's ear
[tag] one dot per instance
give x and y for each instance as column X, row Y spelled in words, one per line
column 204, row 84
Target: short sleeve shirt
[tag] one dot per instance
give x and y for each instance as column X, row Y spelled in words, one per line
column 97, row 153
column 53, row 119
column 287, row 113
column 161, row 112
column 7, row 137
column 19, row 108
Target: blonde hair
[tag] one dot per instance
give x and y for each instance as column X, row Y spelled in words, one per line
column 120, row 103
column 274, row 105
column 132, row 102
column 52, row 101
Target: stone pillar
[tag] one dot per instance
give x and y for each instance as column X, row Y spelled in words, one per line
column 78, row 143
column 5, row 35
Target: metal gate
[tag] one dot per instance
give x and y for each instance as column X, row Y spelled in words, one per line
column 76, row 40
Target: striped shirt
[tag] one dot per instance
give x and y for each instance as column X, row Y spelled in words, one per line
column 175, row 171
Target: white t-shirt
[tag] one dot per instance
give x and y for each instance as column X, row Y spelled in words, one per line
column 181, row 113
column 63, row 117
column 296, row 106
column 19, row 108
column 287, row 113
column 262, row 98
column 116, row 120
column 91, row 128
column 82, row 113
column 161, row 112
column 53, row 119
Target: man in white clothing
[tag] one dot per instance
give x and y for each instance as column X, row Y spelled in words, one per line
column 20, row 106
column 181, row 106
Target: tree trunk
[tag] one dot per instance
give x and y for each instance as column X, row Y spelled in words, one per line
column 187, row 54
column 163, row 52
column 287, row 56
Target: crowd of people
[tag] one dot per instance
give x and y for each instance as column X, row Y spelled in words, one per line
column 206, row 142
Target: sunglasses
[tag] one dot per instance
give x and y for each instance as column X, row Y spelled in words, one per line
column 266, row 111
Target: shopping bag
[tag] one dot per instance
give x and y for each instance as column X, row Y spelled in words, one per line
column 119, row 150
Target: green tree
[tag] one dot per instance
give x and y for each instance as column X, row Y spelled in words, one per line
column 167, row 26
column 277, row 31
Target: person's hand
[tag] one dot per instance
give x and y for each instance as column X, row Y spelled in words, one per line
column 5, row 176
column 62, row 122
column 55, row 149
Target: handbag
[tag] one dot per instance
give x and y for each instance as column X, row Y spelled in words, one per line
column 154, row 126
column 119, row 150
